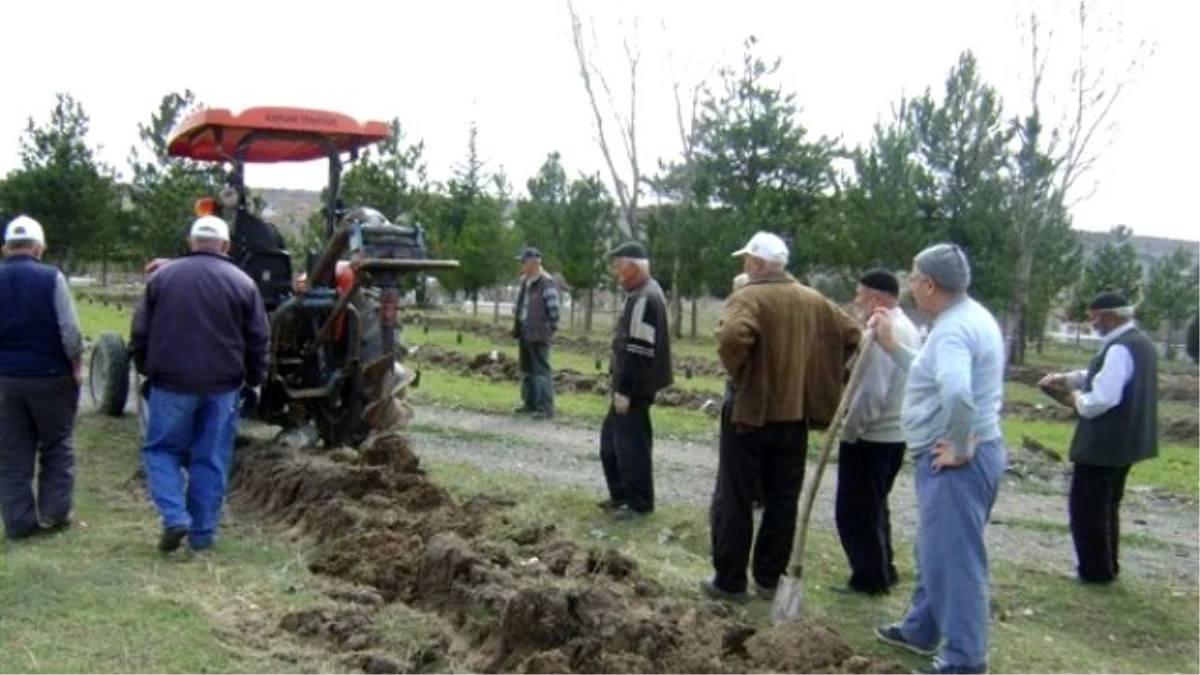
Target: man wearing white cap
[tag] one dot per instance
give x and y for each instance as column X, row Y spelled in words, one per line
column 784, row 345
column 41, row 369
column 199, row 335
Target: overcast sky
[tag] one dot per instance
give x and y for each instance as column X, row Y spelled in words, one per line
column 511, row 66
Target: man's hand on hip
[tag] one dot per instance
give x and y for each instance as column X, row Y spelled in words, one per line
column 77, row 372
column 620, row 403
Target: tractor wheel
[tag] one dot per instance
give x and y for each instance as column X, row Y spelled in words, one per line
column 343, row 425
column 108, row 375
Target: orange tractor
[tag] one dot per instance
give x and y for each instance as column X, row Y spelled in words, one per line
column 335, row 357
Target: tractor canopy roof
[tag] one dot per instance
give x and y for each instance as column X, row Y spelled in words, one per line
column 270, row 134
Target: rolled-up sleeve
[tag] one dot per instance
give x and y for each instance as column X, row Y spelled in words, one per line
column 954, row 384
column 1108, row 384
column 68, row 320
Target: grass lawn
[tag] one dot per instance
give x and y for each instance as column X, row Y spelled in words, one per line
column 99, row 598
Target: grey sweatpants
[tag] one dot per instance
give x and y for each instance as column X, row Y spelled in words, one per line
column 37, row 424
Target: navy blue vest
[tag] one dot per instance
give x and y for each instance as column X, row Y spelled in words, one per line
column 30, row 340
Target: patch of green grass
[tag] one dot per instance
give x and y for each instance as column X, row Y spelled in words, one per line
column 480, row 394
column 1041, row 622
column 100, row 598
column 1128, row 539
column 95, row 318
column 1176, row 469
column 561, row 358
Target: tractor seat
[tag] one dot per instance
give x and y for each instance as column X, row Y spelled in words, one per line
column 272, row 273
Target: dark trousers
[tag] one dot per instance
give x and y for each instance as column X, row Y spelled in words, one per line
column 1094, row 505
column 774, row 454
column 626, row 447
column 537, row 382
column 37, row 424
column 866, row 473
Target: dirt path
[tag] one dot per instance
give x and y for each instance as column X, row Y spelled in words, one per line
column 1159, row 536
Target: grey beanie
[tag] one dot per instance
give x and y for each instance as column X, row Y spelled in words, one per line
column 947, row 266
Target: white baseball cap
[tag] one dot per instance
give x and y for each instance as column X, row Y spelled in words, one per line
column 210, row 227
column 766, row 246
column 24, row 228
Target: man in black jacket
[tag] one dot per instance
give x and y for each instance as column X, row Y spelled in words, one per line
column 1117, row 402
column 199, row 333
column 640, row 367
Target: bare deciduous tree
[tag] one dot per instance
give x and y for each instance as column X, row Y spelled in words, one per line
column 1049, row 176
column 629, row 190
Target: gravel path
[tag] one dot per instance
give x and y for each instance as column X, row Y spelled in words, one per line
column 1160, row 537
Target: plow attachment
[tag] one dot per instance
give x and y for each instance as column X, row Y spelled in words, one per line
column 386, row 383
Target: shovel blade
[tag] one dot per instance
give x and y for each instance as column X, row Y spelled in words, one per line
column 789, row 601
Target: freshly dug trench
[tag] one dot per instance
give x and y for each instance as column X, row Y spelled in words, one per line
column 517, row 599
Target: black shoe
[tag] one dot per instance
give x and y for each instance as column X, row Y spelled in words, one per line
column 710, row 589
column 171, row 538
column 522, row 410
column 30, row 533
column 765, row 592
column 937, row 666
column 610, row 505
column 891, row 634
column 848, row 590
column 625, row 513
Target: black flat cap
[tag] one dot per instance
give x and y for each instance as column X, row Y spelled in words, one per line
column 629, row 249
column 529, row 252
column 1108, row 300
column 881, row 280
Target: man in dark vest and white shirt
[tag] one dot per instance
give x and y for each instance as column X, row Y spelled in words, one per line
column 1116, row 399
column 41, row 369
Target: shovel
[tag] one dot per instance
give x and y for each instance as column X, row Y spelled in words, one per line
column 789, row 597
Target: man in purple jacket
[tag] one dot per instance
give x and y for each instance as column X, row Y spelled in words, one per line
column 199, row 334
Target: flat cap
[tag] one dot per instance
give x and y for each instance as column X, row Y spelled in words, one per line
column 629, row 249
column 1108, row 301
column 529, row 252
column 881, row 280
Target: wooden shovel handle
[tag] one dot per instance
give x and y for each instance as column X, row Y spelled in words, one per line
column 796, row 564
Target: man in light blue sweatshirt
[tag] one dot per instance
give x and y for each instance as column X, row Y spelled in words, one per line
column 951, row 420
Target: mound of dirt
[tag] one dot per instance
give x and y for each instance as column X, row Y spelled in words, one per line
column 514, row 599
column 1183, row 430
column 1033, row 460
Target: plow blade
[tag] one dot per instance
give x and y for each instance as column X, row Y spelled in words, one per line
column 386, row 381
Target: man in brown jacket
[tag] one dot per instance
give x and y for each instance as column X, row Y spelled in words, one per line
column 784, row 345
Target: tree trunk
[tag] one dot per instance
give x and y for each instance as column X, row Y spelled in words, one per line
column 475, row 303
column 676, row 299
column 695, row 328
column 1021, row 324
column 587, row 311
column 573, row 301
column 496, row 309
column 104, row 271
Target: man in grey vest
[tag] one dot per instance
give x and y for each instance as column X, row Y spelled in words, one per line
column 534, row 324
column 41, row 370
column 1116, row 399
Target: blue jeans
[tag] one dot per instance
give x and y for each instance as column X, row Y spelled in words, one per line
column 198, row 432
column 951, row 597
